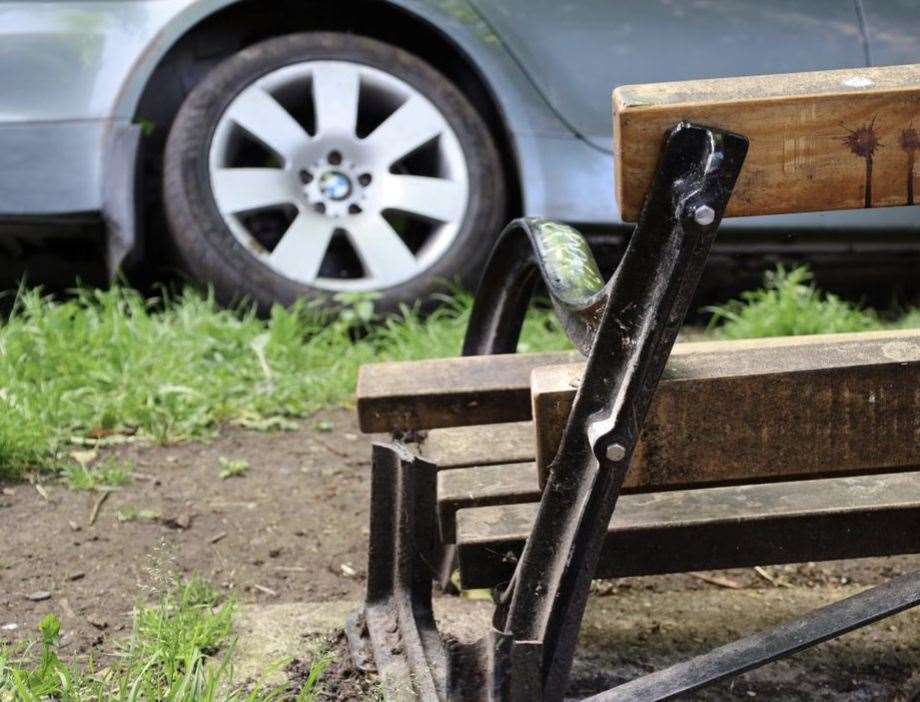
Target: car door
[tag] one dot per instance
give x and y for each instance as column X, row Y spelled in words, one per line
column 893, row 29
column 576, row 52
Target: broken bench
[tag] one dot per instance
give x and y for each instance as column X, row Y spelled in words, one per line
column 536, row 473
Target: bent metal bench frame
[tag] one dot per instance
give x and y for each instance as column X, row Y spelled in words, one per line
column 803, row 142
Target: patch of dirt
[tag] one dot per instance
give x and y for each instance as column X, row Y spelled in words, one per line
column 341, row 681
column 293, row 529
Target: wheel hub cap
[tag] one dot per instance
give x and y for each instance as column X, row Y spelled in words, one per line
column 335, row 185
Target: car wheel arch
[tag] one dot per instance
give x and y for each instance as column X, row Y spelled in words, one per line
column 218, row 34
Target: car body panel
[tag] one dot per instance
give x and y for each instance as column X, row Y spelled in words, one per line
column 893, row 28
column 107, row 50
column 72, row 73
column 687, row 40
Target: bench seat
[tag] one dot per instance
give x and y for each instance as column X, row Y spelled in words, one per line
column 712, row 528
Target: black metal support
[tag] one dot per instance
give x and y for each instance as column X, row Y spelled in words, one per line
column 627, row 328
column 395, row 633
column 647, row 301
column 763, row 647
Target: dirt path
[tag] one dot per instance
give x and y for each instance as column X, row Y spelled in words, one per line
column 293, row 529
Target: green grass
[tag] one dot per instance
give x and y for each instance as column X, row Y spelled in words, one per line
column 232, row 467
column 171, row 655
column 789, row 304
column 110, row 366
column 108, row 474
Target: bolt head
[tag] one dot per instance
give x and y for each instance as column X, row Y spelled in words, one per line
column 616, row 452
column 704, row 215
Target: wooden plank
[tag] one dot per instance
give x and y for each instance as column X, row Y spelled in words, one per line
column 726, row 527
column 460, row 447
column 806, row 132
column 481, row 486
column 449, row 392
column 761, row 409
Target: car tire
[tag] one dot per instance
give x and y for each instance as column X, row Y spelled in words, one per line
column 227, row 237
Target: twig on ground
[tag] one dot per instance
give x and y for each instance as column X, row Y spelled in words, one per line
column 103, row 496
column 330, row 448
column 772, row 579
column 716, row 580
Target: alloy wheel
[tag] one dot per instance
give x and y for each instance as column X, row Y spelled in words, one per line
column 338, row 175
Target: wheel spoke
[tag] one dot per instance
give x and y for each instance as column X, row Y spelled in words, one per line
column 385, row 256
column 242, row 189
column 265, row 119
column 414, row 123
column 335, row 99
column 303, row 247
column 435, row 198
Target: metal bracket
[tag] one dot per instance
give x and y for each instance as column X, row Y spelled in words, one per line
column 627, row 328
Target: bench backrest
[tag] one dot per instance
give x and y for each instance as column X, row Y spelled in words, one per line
column 826, row 140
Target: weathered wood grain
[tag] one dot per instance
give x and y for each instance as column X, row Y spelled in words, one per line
column 761, row 409
column 480, row 445
column 810, row 137
column 449, row 392
column 480, row 486
column 726, row 527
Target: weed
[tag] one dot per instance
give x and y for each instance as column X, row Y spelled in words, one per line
column 130, row 513
column 232, row 467
column 108, row 363
column 789, row 304
column 109, row 474
column 171, row 655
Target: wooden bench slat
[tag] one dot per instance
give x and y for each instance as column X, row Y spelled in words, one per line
column 770, row 408
column 480, row 486
column 449, row 392
column 797, row 124
column 711, row 528
column 460, row 447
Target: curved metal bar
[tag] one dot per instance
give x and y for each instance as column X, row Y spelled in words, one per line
column 529, row 247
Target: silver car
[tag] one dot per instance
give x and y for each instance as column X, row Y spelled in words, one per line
column 286, row 148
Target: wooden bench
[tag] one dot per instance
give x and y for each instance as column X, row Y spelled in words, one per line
column 751, row 452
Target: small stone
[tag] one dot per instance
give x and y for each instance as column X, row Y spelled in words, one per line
column 9, row 627
column 74, row 526
column 9, row 492
column 274, row 553
column 39, row 596
column 347, row 570
column 97, row 622
column 79, row 575
column 184, row 520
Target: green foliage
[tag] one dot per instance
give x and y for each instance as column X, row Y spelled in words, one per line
column 789, row 304
column 170, row 656
column 232, row 467
column 108, row 474
column 110, row 363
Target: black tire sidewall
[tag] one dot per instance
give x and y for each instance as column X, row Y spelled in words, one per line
column 213, row 255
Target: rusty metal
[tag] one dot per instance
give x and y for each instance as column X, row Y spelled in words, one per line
column 627, row 328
